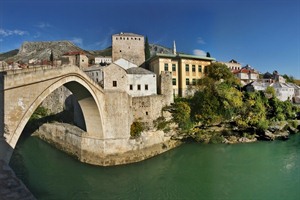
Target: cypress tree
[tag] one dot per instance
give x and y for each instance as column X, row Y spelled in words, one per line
column 147, row 49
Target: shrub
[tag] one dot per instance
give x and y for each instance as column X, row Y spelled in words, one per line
column 216, row 138
column 136, row 129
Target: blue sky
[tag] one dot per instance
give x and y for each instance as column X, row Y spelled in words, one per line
column 262, row 33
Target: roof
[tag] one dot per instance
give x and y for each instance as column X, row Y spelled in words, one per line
column 71, row 53
column 138, row 70
column 187, row 56
column 93, row 68
column 245, row 71
column 128, row 34
column 233, row 61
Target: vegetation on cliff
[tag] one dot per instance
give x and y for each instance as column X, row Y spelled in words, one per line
column 219, row 101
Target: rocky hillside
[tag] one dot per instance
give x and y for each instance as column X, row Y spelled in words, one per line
column 42, row 51
column 8, row 54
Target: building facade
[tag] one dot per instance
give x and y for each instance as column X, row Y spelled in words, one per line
column 129, row 46
column 125, row 76
column 95, row 72
column 77, row 58
column 186, row 69
column 103, row 60
column 233, row 65
column 246, row 74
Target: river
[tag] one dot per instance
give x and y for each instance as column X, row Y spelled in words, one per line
column 260, row 170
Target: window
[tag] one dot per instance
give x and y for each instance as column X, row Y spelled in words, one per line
column 194, row 81
column 166, row 67
column 174, row 81
column 193, row 68
column 114, row 83
column 139, row 87
column 146, row 87
column 130, row 87
column 199, row 68
column 174, row 67
column 187, row 67
column 187, row 81
column 146, row 113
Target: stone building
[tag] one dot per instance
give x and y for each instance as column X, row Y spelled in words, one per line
column 125, row 76
column 77, row 58
column 129, row 46
column 186, row 69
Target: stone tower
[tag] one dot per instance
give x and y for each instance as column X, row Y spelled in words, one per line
column 129, row 46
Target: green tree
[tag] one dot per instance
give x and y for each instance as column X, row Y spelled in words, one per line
column 289, row 79
column 220, row 72
column 51, row 57
column 147, row 49
column 181, row 114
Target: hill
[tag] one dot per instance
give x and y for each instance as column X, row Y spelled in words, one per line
column 8, row 54
column 42, row 51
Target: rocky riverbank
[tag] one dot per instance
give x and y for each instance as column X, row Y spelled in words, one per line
column 229, row 133
column 76, row 142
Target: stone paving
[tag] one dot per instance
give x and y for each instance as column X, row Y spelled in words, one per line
column 11, row 188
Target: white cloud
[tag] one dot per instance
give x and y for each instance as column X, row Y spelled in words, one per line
column 37, row 35
column 199, row 52
column 43, row 25
column 77, row 41
column 6, row 32
column 200, row 40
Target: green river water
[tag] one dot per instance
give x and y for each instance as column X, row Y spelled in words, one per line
column 261, row 170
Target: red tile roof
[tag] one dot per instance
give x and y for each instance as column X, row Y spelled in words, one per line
column 245, row 71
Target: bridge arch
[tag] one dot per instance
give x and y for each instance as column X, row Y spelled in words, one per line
column 86, row 96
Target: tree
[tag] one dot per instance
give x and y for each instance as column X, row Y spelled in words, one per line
column 181, row 113
column 147, row 49
column 289, row 79
column 51, row 57
column 217, row 97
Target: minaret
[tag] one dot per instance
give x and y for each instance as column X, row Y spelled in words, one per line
column 174, row 48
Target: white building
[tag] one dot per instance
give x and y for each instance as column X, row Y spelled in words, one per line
column 283, row 91
column 141, row 82
column 232, row 65
column 123, row 75
column 102, row 60
column 246, row 74
column 95, row 72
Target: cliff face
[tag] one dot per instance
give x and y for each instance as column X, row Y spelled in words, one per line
column 42, row 50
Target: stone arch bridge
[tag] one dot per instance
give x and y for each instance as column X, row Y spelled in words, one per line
column 106, row 114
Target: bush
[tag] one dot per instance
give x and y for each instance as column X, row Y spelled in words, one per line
column 263, row 125
column 216, row 138
column 136, row 129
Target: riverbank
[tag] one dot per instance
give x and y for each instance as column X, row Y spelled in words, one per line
column 12, row 188
column 76, row 142
column 229, row 133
